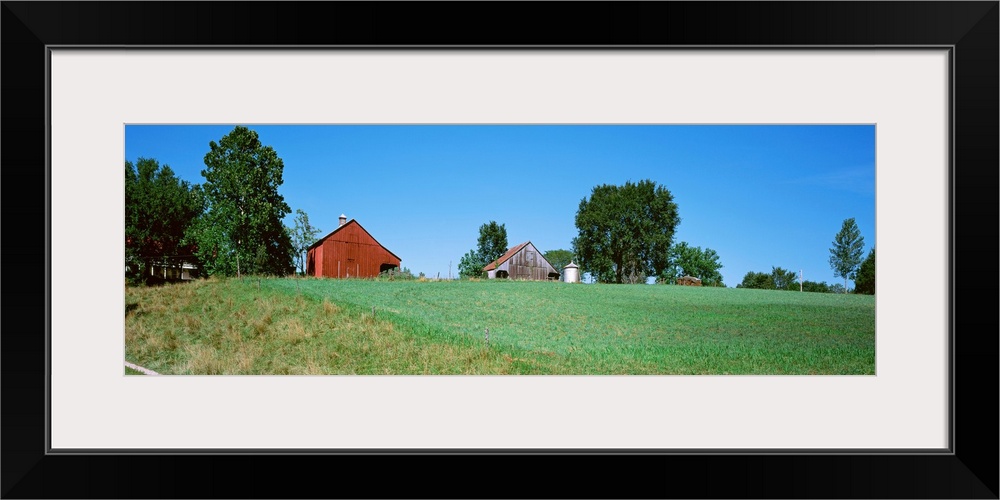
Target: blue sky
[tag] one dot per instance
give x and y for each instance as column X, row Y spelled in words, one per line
column 759, row 195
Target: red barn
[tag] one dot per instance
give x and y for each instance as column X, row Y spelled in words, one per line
column 349, row 252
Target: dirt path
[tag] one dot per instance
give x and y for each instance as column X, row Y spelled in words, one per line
column 135, row 367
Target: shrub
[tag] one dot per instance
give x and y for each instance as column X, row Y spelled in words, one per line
column 396, row 274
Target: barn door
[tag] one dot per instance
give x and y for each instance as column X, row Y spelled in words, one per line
column 353, row 252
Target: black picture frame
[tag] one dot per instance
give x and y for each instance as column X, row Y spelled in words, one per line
column 969, row 28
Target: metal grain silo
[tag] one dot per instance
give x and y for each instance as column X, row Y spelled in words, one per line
column 571, row 273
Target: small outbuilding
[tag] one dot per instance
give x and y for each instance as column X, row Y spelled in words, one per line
column 172, row 271
column 349, row 251
column 688, row 281
column 523, row 262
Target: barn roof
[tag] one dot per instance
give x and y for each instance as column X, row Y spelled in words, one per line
column 352, row 221
column 510, row 253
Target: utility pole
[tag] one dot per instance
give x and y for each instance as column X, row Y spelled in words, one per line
column 800, row 280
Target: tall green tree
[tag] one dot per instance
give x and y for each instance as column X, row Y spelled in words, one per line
column 302, row 235
column 159, row 208
column 558, row 258
column 761, row 281
column 241, row 231
column 784, row 279
column 845, row 255
column 686, row 260
column 777, row 279
column 864, row 281
column 492, row 241
column 625, row 232
column 491, row 244
column 471, row 265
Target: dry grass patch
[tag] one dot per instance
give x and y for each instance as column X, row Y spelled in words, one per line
column 328, row 307
column 292, row 330
column 230, row 327
column 203, row 360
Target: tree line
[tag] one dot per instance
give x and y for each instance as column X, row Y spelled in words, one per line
column 230, row 225
column 845, row 260
column 626, row 235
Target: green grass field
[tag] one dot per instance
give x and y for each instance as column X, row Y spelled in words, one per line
column 320, row 326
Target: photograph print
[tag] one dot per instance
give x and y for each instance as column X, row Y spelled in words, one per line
column 575, row 249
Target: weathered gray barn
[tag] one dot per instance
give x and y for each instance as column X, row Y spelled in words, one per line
column 523, row 262
column 689, row 281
